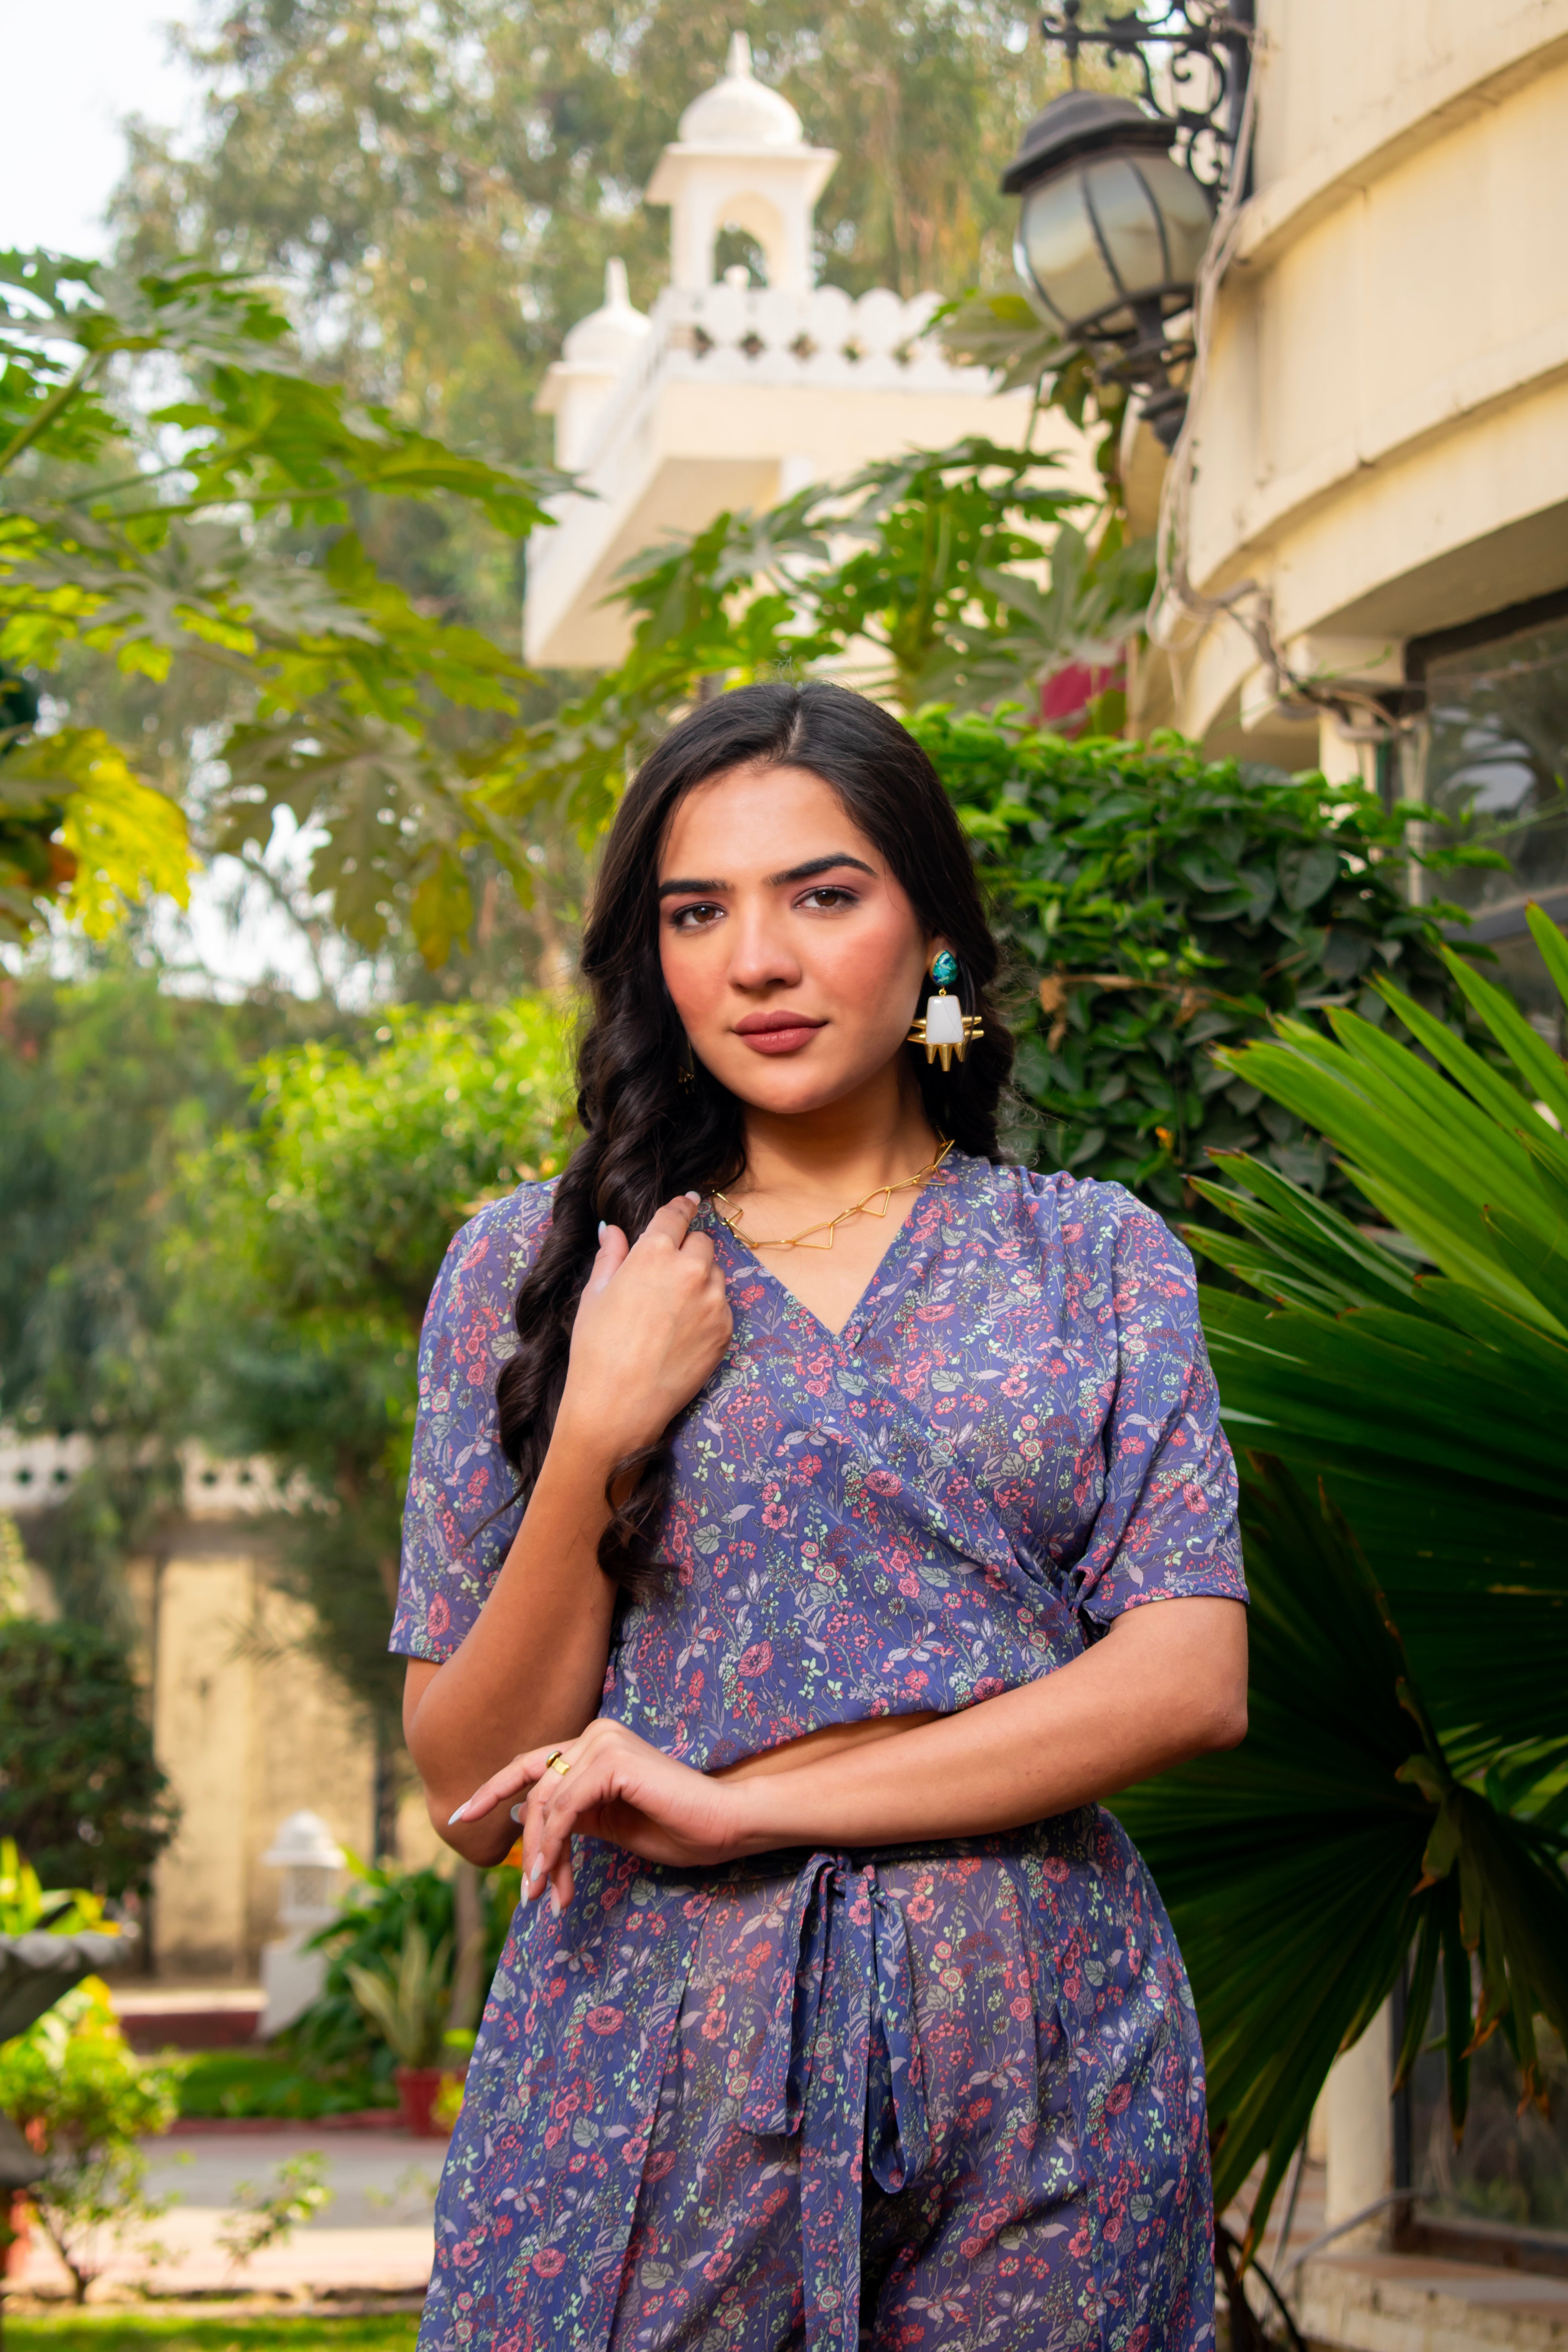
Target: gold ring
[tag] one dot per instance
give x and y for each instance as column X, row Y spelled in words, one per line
column 556, row 1762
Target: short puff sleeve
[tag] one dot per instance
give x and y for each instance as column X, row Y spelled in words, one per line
column 1166, row 1528
column 459, row 1475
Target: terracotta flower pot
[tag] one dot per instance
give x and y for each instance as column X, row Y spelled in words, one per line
column 417, row 2087
column 14, row 2258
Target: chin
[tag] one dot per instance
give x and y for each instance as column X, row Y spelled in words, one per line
column 786, row 1088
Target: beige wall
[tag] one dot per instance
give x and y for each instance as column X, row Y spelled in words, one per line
column 1383, row 441
column 249, row 1728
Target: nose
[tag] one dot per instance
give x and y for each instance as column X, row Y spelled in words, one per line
column 761, row 955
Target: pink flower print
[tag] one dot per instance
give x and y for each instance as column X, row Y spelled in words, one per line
column 774, row 1515
column 755, row 1660
column 437, row 1616
column 1057, row 1869
column 884, row 1482
column 1118, row 2099
column 910, row 1586
column 604, row 2018
column 1195, row 1500
column 548, row 2262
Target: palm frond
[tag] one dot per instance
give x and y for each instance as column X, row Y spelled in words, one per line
column 1402, row 1798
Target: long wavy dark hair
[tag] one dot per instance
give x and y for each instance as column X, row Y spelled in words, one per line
column 654, row 1121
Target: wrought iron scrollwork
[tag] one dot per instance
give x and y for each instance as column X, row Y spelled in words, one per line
column 1192, row 58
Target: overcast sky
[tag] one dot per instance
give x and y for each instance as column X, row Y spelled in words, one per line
column 73, row 69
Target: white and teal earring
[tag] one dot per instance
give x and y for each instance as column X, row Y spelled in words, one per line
column 947, row 1028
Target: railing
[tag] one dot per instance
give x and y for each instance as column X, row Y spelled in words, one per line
column 760, row 336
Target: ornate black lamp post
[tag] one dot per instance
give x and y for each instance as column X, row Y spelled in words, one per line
column 1119, row 195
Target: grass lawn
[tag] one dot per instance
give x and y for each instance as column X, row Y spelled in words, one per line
column 111, row 2331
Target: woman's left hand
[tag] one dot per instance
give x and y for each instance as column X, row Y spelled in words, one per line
column 618, row 1787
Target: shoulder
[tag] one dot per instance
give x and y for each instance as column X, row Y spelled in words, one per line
column 1078, row 1215
column 488, row 1258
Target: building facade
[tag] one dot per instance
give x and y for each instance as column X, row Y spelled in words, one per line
column 1381, row 445
column 730, row 394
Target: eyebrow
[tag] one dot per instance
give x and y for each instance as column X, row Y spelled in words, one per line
column 813, row 865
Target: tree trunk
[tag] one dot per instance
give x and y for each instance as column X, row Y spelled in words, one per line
column 384, row 1801
column 467, row 1973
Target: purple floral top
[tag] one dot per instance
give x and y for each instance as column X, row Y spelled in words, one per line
column 1016, row 1429
column 1018, row 1425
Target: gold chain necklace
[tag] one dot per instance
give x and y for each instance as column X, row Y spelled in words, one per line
column 830, row 1225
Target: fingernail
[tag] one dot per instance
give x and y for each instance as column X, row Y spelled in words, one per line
column 458, row 1816
column 517, row 1813
column 601, row 1229
column 555, row 1903
column 537, row 1870
column 694, row 1196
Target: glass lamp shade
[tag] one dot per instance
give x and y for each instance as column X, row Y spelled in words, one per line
column 1109, row 236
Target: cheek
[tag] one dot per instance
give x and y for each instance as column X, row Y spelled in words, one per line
column 694, row 969
column 870, row 964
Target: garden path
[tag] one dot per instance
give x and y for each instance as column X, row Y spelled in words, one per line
column 374, row 2238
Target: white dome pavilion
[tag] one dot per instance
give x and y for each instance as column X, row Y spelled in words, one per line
column 608, row 336
column 739, row 110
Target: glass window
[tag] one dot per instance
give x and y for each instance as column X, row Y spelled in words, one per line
column 1496, row 758
column 1510, row 2168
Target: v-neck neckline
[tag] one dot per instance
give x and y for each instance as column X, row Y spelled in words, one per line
column 943, row 1182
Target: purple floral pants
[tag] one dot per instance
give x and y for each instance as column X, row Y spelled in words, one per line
column 932, row 2099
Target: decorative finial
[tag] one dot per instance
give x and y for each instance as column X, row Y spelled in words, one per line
column 739, row 67
column 618, row 293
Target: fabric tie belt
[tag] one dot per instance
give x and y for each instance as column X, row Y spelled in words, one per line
column 840, row 2065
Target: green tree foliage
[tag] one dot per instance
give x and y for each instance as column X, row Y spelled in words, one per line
column 218, row 531
column 1403, row 1793
column 1161, row 907
column 71, row 2082
column 309, row 1245
column 443, row 187
column 80, row 1790
column 922, row 575
column 103, row 1086
column 439, row 190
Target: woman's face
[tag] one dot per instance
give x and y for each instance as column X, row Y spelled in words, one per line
column 793, row 956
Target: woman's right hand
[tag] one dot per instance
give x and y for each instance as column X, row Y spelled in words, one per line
column 652, row 1324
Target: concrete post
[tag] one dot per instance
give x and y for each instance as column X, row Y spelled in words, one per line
column 1358, row 2116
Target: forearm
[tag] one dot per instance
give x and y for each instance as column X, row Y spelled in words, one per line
column 1133, row 1706
column 532, row 1668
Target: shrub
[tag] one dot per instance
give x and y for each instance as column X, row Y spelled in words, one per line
column 80, row 1790
column 369, row 1938
column 310, row 1246
column 85, row 2102
column 1158, row 905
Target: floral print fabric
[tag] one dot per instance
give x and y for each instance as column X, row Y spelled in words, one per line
column 933, row 2099
column 1016, row 1429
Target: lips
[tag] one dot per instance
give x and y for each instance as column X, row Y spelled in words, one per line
column 783, row 1031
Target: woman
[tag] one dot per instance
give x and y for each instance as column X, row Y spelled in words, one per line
column 789, row 1593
